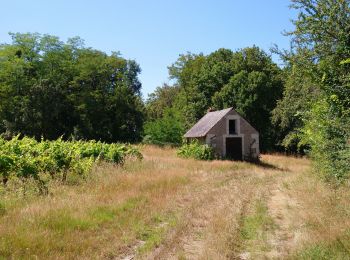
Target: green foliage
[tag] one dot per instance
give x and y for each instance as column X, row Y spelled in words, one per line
column 295, row 143
column 197, row 151
column 27, row 159
column 247, row 80
column 298, row 96
column 160, row 100
column 316, row 101
column 50, row 88
column 165, row 130
column 329, row 138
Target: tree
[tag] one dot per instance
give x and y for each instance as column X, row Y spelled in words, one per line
column 49, row 89
column 246, row 79
column 320, row 52
column 167, row 129
column 190, row 101
column 298, row 96
column 161, row 99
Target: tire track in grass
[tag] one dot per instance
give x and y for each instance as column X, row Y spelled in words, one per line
column 208, row 229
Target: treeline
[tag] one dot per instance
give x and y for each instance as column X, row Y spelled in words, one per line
column 314, row 112
column 247, row 80
column 49, row 89
column 302, row 107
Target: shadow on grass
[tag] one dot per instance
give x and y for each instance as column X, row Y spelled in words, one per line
column 266, row 165
column 259, row 163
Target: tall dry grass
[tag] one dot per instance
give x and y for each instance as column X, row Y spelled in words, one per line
column 325, row 214
column 165, row 207
column 115, row 208
column 117, row 211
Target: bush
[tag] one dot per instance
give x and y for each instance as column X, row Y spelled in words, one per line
column 167, row 130
column 197, row 151
column 329, row 138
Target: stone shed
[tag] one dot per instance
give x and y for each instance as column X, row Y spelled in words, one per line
column 228, row 133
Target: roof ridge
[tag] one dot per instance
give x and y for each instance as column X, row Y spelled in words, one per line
column 207, row 122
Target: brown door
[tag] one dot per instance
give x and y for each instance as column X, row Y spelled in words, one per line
column 234, row 148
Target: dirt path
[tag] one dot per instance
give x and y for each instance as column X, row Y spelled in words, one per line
column 165, row 207
column 212, row 219
column 210, row 214
column 282, row 209
column 215, row 207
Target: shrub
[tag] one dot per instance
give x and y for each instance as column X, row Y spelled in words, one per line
column 197, row 151
column 329, row 139
column 167, row 130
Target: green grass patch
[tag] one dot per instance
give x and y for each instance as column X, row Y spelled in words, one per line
column 23, row 244
column 254, row 228
column 2, row 209
column 122, row 215
column 337, row 249
column 255, row 224
column 324, row 251
column 62, row 221
column 103, row 214
column 152, row 236
column 132, row 204
column 154, row 233
column 55, row 230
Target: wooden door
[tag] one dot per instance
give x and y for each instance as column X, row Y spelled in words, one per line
column 234, row 148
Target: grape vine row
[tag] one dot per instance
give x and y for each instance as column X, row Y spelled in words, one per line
column 27, row 158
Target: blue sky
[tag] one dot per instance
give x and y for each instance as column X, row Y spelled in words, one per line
column 153, row 32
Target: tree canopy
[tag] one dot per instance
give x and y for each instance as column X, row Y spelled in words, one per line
column 246, row 79
column 49, row 89
column 315, row 106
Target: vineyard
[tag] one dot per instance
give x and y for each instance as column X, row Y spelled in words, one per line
column 27, row 158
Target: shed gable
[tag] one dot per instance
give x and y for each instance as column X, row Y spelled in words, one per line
column 215, row 120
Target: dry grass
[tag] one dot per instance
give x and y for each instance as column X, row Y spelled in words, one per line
column 325, row 216
column 100, row 218
column 165, row 207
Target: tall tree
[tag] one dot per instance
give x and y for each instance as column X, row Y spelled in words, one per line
column 246, row 79
column 49, row 88
column 321, row 52
column 162, row 98
column 299, row 94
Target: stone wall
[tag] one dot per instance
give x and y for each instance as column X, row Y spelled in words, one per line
column 216, row 137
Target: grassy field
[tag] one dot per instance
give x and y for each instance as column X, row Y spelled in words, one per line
column 164, row 207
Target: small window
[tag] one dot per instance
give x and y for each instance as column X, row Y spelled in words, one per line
column 232, row 127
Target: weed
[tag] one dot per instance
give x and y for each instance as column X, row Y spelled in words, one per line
column 255, row 226
column 325, row 251
column 286, row 185
column 103, row 214
column 2, row 209
column 63, row 221
column 164, row 200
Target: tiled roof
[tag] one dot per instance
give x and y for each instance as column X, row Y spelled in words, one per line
column 202, row 127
